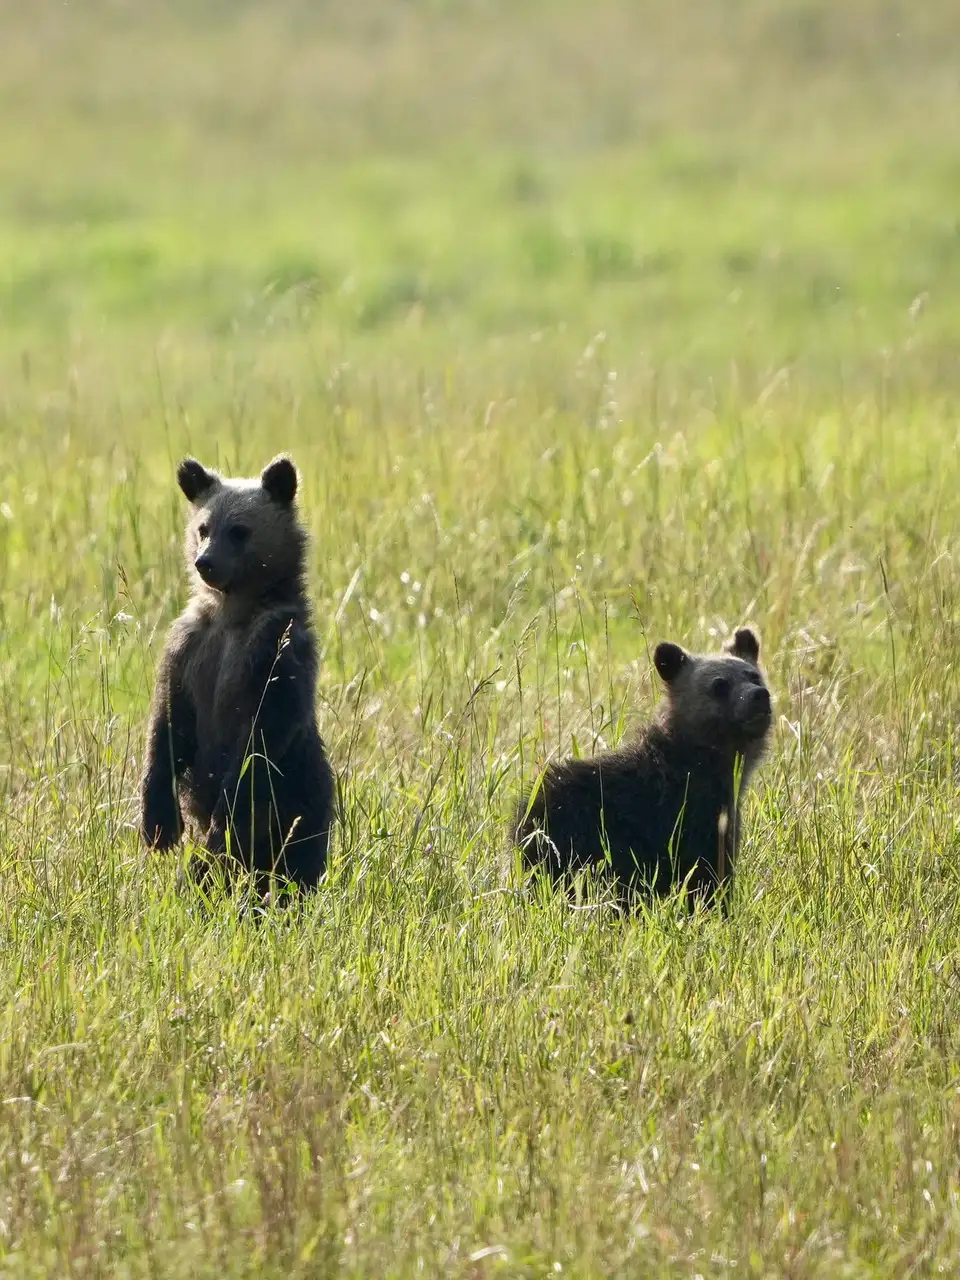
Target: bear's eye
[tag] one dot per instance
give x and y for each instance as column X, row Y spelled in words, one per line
column 204, row 531
column 720, row 687
column 238, row 534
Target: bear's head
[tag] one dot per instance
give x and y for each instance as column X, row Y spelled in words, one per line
column 243, row 536
column 718, row 702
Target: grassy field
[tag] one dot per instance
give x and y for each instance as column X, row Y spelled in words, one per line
column 589, row 324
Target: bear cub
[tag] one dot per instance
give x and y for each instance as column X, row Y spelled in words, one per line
column 665, row 806
column 233, row 744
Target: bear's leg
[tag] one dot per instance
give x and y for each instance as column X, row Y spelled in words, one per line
column 171, row 744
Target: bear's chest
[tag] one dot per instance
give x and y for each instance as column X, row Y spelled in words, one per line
column 218, row 680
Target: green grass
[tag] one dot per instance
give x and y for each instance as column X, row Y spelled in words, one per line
column 588, row 325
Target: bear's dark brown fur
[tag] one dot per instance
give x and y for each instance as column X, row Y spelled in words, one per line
column 233, row 743
column 665, row 806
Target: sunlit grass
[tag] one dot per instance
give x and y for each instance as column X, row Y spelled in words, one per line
column 652, row 340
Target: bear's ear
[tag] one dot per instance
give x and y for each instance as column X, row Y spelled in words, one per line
column 279, row 478
column 745, row 644
column 195, row 480
column 669, row 659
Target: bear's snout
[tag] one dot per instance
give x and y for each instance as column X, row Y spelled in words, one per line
column 206, row 568
column 757, row 707
column 760, row 699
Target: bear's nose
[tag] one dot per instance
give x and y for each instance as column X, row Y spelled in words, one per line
column 204, row 566
column 760, row 699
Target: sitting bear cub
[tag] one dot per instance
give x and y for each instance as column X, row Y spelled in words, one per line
column 665, row 806
column 233, row 742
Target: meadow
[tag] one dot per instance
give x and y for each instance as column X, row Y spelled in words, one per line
column 589, row 324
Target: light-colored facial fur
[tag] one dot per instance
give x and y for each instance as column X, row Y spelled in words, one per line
column 721, row 701
column 243, row 535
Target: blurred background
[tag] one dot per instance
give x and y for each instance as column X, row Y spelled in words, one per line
column 764, row 180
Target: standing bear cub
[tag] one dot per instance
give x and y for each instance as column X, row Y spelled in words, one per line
column 233, row 743
column 664, row 809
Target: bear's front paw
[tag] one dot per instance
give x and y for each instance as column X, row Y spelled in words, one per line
column 161, row 825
